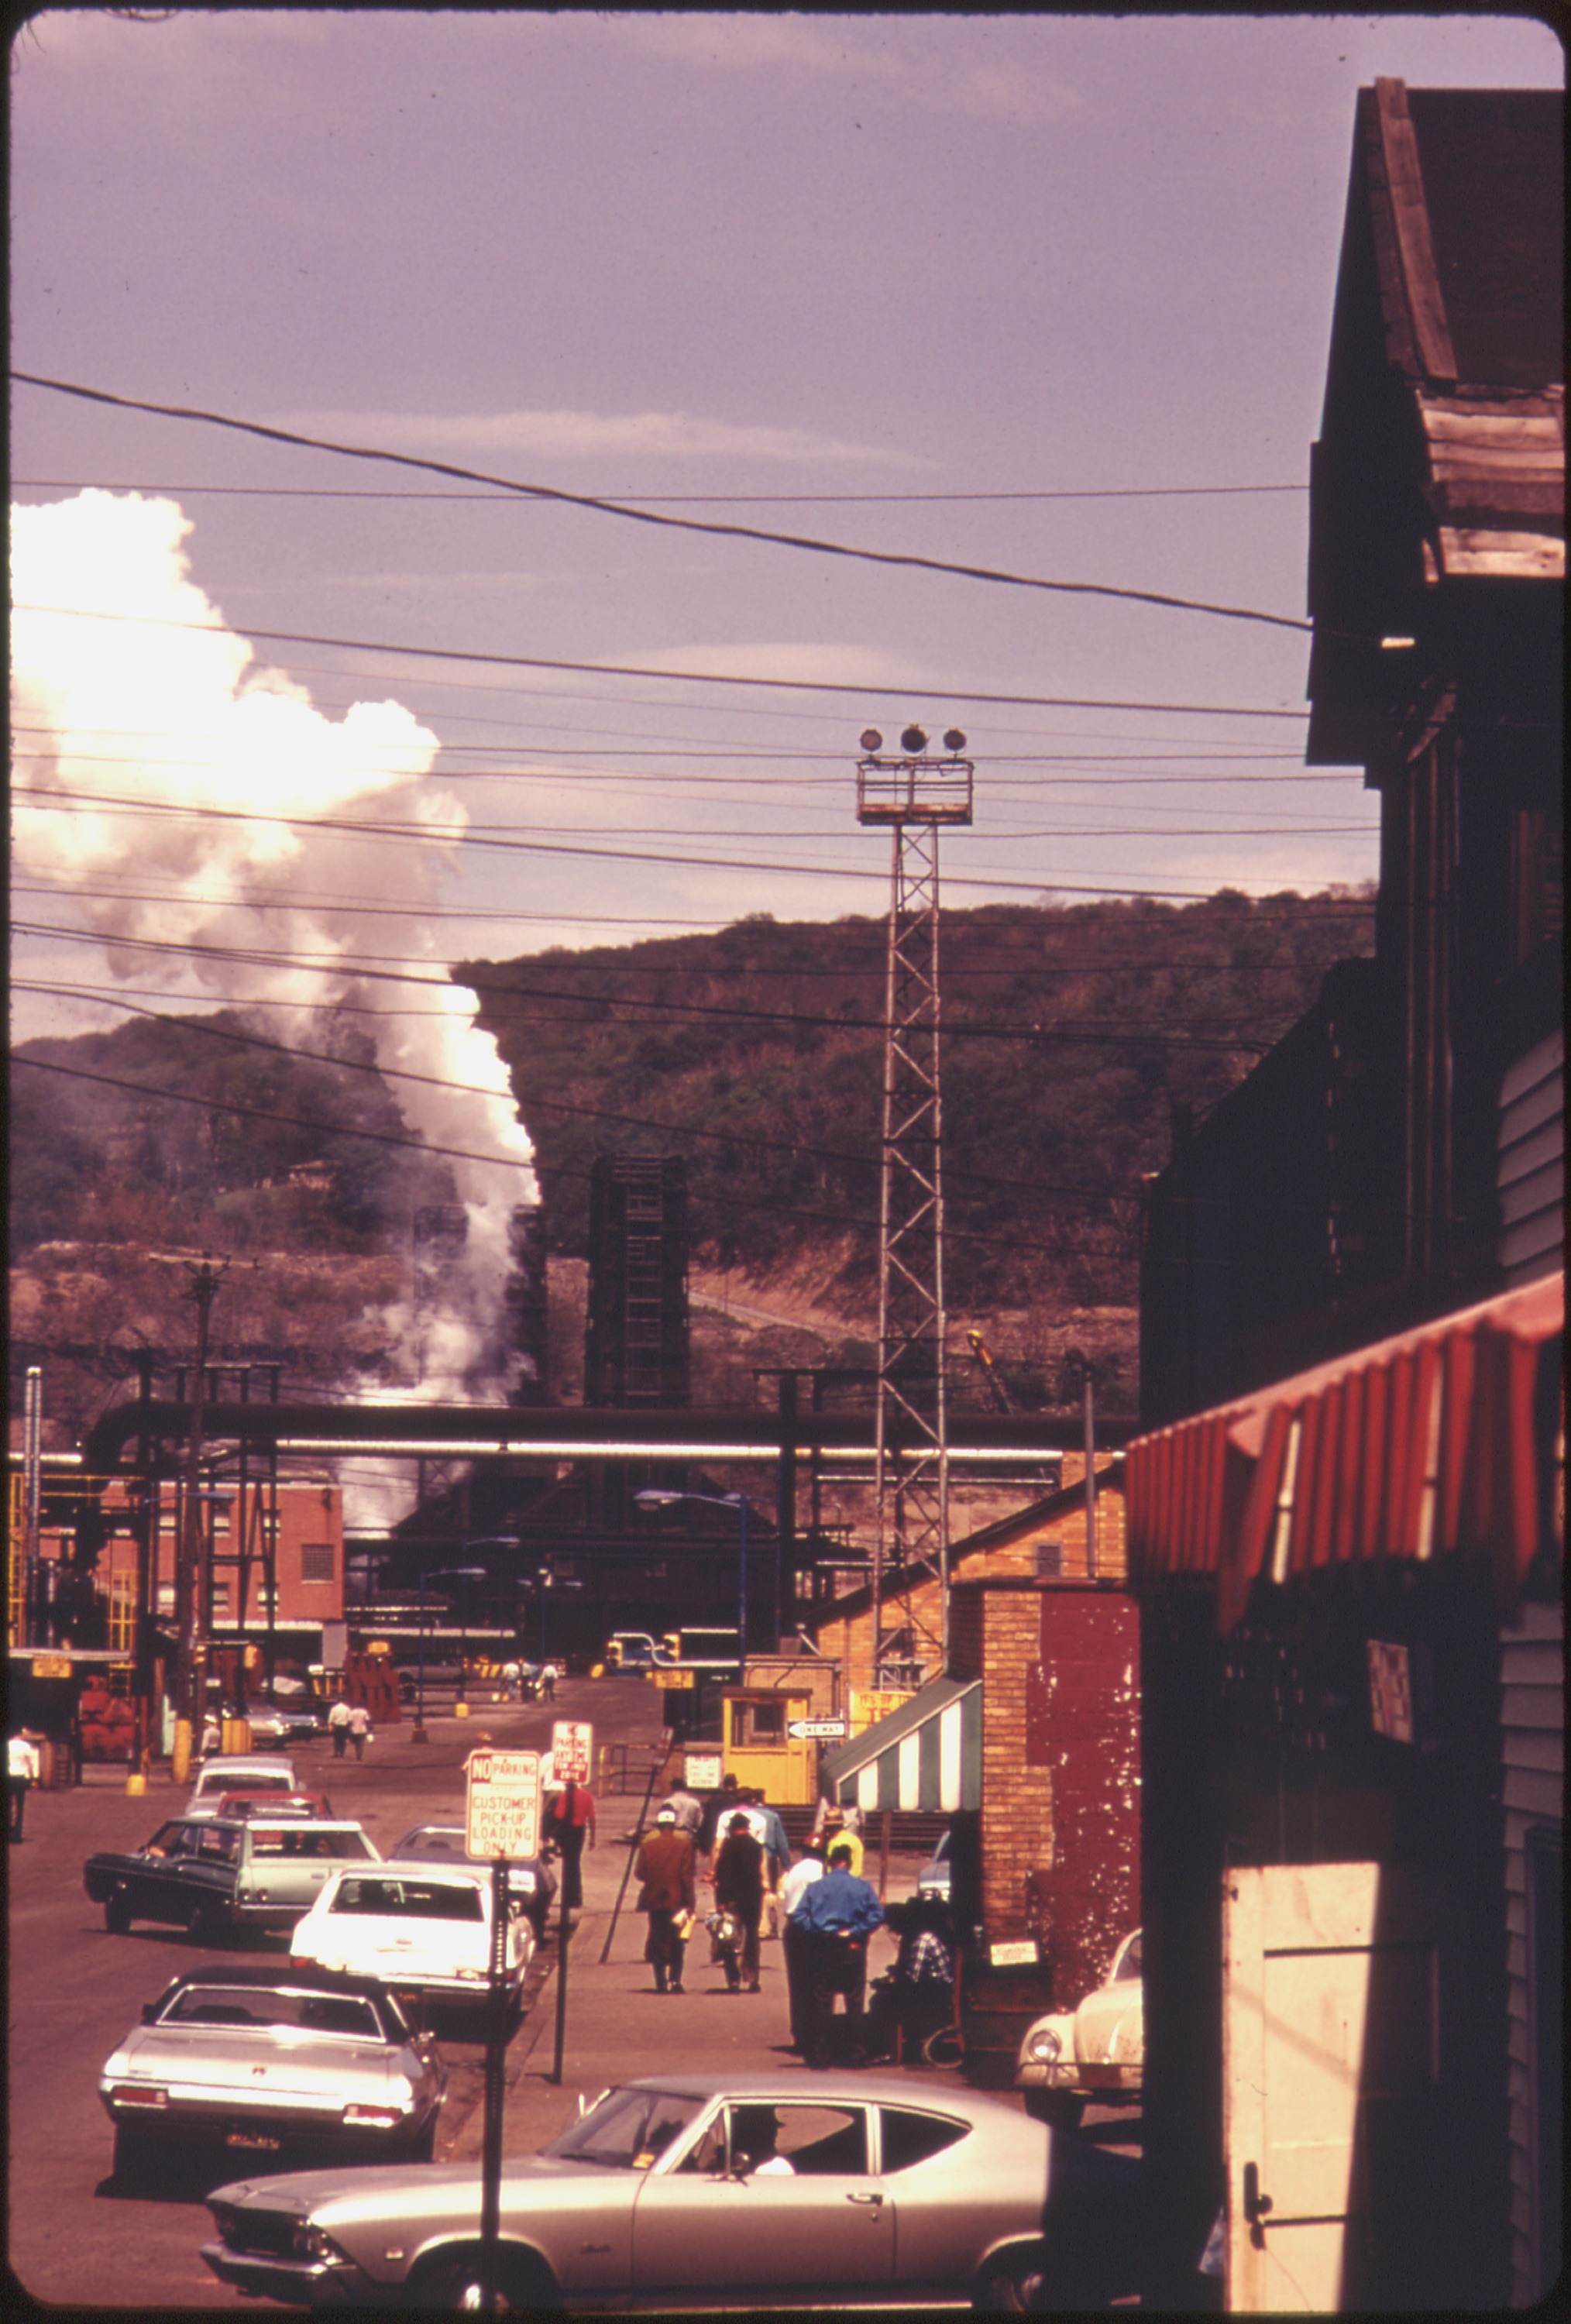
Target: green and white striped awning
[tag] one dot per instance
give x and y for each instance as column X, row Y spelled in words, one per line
column 928, row 1754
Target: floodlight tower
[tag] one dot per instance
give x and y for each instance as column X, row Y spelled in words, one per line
column 914, row 795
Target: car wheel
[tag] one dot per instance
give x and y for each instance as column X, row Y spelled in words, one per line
column 1060, row 2109
column 135, row 2156
column 453, row 2280
column 208, row 1924
column 946, row 2047
column 117, row 1914
column 1010, row 2284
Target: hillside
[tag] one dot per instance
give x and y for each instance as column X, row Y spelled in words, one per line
column 1070, row 1032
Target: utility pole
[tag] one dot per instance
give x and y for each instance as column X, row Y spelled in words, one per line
column 912, row 796
column 190, row 1595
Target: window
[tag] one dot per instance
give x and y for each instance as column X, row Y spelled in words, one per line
column 759, row 1726
column 315, row 1560
column 220, row 1596
column 422, row 1900
column 910, row 2139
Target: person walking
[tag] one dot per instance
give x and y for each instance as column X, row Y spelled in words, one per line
column 721, row 1806
column 838, row 1913
column 511, row 1682
column 688, row 1812
column 338, row 1727
column 21, row 1772
column 359, row 1729
column 570, row 1822
column 794, row 1945
column 666, row 1868
column 547, row 1681
column 764, row 1823
column 738, row 1879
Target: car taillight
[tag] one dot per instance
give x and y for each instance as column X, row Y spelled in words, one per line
column 142, row 2094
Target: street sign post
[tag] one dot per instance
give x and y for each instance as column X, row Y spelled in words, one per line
column 501, row 1821
column 502, row 1808
column 572, row 1752
column 816, row 1730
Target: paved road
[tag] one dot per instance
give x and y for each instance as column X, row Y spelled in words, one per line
column 74, row 2237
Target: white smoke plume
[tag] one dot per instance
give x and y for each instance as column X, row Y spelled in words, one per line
column 115, row 710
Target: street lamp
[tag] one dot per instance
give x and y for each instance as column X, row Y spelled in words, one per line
column 661, row 1497
column 437, row 1573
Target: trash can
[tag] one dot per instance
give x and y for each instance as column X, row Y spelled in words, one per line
column 234, row 1736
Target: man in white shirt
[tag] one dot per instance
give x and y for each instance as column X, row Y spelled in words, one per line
column 22, row 1768
column 807, row 1867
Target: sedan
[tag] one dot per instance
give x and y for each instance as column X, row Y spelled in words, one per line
column 423, row 1929
column 214, row 1875
column 265, row 2058
column 251, row 1771
column 530, row 1882
column 714, row 2191
column 1095, row 2051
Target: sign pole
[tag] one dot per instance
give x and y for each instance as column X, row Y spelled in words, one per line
column 495, row 2089
column 564, row 1930
column 627, row 1867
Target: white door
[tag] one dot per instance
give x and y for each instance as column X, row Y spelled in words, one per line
column 1331, row 2044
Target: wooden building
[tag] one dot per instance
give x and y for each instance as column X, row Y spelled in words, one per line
column 1400, row 1153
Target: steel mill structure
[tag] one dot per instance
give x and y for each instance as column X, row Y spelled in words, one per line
column 913, row 795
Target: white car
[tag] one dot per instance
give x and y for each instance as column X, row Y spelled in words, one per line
column 421, row 1927
column 251, row 1771
column 1095, row 2051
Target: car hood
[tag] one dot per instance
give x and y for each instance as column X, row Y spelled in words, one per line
column 369, row 2193
column 1109, row 2023
column 201, row 2053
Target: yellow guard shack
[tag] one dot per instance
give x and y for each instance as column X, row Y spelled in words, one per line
column 758, row 1749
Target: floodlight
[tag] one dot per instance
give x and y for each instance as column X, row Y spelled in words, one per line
column 954, row 740
column 871, row 739
column 913, row 739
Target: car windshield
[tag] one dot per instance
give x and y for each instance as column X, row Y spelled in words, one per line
column 420, row 1900
column 1129, row 1965
column 628, row 2129
column 265, row 2005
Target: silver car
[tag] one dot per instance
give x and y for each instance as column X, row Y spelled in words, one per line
column 712, row 2191
column 267, row 2057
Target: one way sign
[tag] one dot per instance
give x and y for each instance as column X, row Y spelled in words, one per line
column 817, row 1730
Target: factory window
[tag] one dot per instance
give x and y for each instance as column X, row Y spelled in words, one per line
column 221, row 1598
column 315, row 1560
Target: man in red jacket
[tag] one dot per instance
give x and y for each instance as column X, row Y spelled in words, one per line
column 669, row 1894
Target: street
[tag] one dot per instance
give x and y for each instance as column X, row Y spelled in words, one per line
column 76, row 2239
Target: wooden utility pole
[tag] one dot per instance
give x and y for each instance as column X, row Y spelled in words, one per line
column 190, row 1595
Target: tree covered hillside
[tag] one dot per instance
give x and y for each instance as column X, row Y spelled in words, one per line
column 1070, row 1031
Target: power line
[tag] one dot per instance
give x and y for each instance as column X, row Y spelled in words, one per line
column 644, row 515
column 658, row 500
column 679, row 677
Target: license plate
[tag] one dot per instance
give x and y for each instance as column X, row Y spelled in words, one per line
column 253, row 2138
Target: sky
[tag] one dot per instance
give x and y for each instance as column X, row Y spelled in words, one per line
column 1045, row 294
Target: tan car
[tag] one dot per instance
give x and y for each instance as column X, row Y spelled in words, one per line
column 1095, row 2052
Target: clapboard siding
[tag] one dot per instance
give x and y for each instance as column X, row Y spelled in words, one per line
column 1532, row 1752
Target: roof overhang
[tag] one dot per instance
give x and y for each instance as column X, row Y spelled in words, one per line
column 1441, row 1439
column 928, row 1754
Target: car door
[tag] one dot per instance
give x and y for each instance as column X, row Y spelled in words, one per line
column 159, row 1888
column 826, row 2224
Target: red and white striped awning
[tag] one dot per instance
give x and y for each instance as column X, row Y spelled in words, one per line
column 1434, row 1441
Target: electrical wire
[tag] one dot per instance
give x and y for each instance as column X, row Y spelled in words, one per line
column 644, row 515
column 679, row 676
column 659, row 500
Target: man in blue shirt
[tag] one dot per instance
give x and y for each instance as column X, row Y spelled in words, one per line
column 836, row 1917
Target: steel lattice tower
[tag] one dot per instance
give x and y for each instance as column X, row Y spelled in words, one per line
column 914, row 795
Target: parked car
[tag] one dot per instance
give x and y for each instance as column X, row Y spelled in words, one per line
column 1095, row 2051
column 248, row 1771
column 629, row 1651
column 933, row 1880
column 664, row 2193
column 530, row 1882
column 273, row 1804
column 424, row 1930
column 282, row 1722
column 271, row 2057
column 216, row 1875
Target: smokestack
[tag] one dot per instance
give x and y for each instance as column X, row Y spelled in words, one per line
column 526, row 1301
